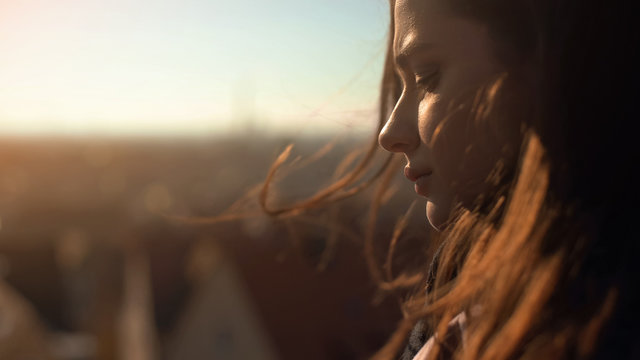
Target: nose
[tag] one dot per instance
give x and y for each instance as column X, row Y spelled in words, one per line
column 400, row 133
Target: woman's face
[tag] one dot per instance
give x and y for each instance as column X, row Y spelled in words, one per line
column 443, row 61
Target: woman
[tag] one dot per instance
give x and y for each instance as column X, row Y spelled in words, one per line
column 512, row 116
column 515, row 118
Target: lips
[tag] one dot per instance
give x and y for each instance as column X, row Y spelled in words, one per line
column 421, row 179
column 422, row 186
column 415, row 174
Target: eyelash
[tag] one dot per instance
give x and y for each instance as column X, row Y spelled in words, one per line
column 429, row 81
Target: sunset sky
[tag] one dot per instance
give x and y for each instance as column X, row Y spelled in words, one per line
column 77, row 67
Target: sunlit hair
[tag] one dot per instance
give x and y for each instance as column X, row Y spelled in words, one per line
column 543, row 265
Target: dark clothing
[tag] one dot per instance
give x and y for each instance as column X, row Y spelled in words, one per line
column 420, row 334
column 417, row 339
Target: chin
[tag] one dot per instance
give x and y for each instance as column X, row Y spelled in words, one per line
column 437, row 215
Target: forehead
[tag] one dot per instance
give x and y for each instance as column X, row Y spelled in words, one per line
column 430, row 22
column 416, row 21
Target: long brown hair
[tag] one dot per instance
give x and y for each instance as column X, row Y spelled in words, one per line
column 544, row 267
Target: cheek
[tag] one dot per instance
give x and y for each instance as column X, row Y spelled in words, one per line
column 452, row 149
column 429, row 118
column 445, row 133
column 464, row 154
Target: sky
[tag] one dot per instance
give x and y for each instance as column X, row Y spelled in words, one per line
column 120, row 67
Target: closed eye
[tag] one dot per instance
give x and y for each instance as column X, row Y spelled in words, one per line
column 429, row 81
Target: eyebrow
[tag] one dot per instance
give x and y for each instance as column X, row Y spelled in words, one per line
column 401, row 58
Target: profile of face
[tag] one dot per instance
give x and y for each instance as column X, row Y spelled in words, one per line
column 443, row 61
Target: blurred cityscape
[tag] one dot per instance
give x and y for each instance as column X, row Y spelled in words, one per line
column 98, row 262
